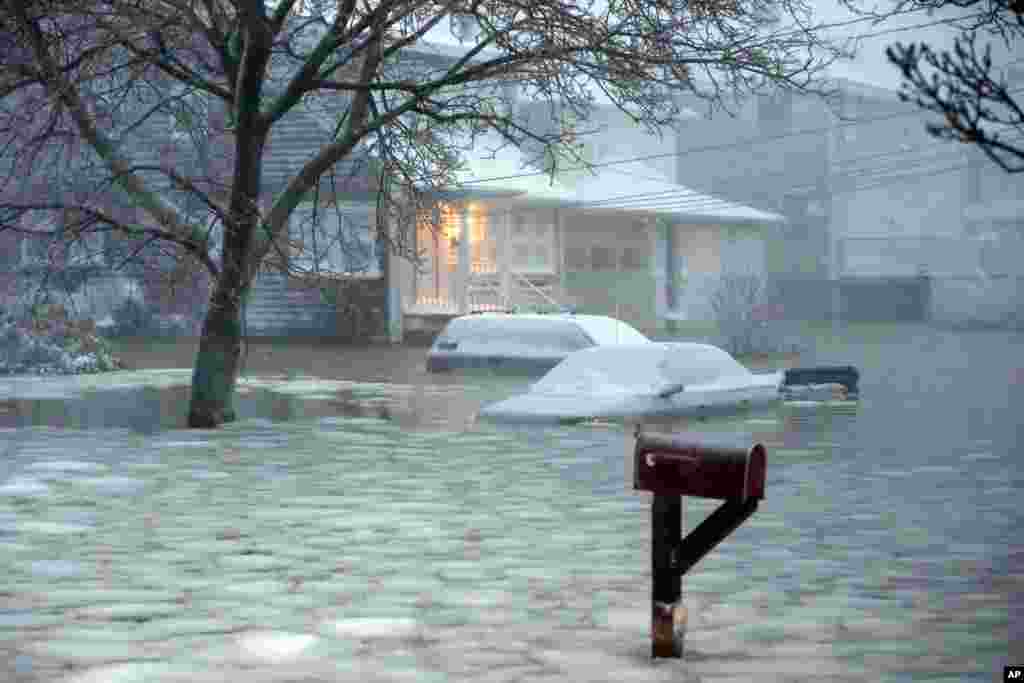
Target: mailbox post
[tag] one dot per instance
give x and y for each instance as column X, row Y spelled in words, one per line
column 672, row 466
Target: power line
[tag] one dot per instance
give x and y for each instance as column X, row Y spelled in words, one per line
column 689, row 198
column 749, row 142
column 704, row 148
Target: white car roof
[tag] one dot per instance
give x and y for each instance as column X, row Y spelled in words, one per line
column 640, row 369
column 602, row 329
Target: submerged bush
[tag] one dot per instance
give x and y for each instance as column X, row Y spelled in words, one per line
column 41, row 345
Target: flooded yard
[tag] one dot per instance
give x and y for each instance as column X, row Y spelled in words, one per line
column 358, row 524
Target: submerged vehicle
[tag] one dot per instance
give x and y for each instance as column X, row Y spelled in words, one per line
column 658, row 381
column 530, row 343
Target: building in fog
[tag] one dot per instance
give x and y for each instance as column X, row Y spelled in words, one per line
column 883, row 221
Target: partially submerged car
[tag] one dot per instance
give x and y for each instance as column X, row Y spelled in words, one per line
column 649, row 381
column 529, row 343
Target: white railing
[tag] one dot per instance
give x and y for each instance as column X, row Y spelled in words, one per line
column 484, row 292
column 522, row 279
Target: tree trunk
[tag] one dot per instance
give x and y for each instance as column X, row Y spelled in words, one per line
column 216, row 367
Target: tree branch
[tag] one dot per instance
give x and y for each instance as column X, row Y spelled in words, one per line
column 99, row 216
column 67, row 94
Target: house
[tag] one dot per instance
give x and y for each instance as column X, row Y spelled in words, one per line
column 598, row 241
column 883, row 222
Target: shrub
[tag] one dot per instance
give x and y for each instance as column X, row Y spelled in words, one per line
column 733, row 304
column 747, row 323
column 41, row 345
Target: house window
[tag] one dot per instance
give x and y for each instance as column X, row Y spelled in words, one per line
column 602, row 258
column 577, row 258
column 335, row 240
column 634, row 258
column 532, row 242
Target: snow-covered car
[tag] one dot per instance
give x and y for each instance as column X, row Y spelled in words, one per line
column 523, row 342
column 648, row 381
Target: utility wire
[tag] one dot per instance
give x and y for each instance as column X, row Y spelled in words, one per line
column 748, row 142
column 687, row 198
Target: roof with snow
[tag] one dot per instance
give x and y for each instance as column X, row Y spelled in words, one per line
column 616, row 185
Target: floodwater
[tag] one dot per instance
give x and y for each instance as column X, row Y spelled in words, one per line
column 357, row 498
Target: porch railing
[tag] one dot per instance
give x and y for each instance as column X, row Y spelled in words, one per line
column 486, row 291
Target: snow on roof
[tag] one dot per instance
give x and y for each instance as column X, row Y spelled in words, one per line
column 628, row 186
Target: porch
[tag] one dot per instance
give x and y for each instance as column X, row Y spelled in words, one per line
column 485, row 258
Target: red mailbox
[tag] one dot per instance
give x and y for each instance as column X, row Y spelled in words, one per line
column 696, row 465
column 703, row 465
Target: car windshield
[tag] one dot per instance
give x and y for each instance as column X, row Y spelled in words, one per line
column 609, row 330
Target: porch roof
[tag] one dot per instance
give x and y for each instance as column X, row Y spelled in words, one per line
column 617, row 186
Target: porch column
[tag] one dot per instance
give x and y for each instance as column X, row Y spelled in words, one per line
column 671, row 266
column 501, row 235
column 463, row 266
column 393, row 274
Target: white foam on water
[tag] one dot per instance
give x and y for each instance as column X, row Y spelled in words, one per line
column 935, row 469
column 114, row 485
column 275, row 646
column 209, row 474
column 65, row 466
column 131, row 672
column 62, row 387
column 24, row 487
column 54, row 528
column 803, row 404
column 980, row 456
column 368, row 628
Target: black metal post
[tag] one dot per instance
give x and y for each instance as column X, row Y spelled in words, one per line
column 668, row 617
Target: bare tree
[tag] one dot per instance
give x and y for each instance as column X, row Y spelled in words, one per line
column 82, row 80
column 977, row 103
